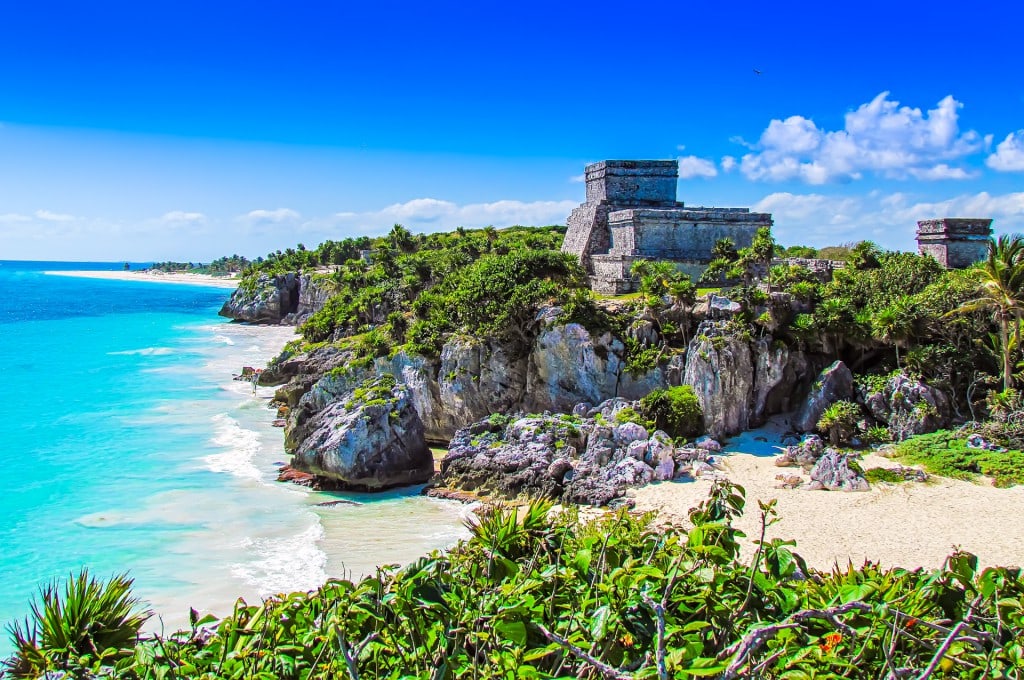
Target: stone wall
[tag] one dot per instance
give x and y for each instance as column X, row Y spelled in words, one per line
column 686, row 235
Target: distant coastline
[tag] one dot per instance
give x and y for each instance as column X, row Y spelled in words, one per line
column 153, row 276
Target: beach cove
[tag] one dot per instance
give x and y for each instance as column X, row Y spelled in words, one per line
column 131, row 448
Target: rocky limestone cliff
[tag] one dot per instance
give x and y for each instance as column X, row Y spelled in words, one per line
column 370, row 439
column 279, row 299
column 738, row 380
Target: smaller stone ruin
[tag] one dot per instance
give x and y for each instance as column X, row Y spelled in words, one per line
column 956, row 242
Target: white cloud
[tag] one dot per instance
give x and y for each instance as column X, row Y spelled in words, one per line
column 880, row 136
column 1009, row 155
column 578, row 179
column 53, row 217
column 694, row 166
column 889, row 219
column 179, row 216
column 277, row 216
column 941, row 171
column 728, row 163
column 12, row 218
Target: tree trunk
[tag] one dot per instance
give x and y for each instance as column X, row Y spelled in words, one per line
column 1004, row 338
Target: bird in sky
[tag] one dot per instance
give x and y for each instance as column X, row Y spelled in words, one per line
column 757, row 72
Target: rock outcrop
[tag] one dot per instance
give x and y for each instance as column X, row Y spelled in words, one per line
column 720, row 369
column 373, row 439
column 738, row 381
column 834, row 472
column 907, row 406
column 833, row 384
column 574, row 459
column 283, row 298
column 268, row 299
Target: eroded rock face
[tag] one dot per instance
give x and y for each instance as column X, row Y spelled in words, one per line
column 739, row 382
column 475, row 379
column 311, row 298
column 369, row 441
column 833, row 384
column 779, row 376
column 575, row 460
column 568, row 365
column 720, row 370
column 281, row 299
column 908, row 407
column 269, row 300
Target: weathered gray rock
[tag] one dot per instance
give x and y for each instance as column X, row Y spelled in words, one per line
column 833, row 384
column 372, row 442
column 475, row 379
column 908, row 407
column 558, row 457
column 267, row 300
column 780, row 374
column 803, row 454
column 313, row 294
column 720, row 369
column 834, row 473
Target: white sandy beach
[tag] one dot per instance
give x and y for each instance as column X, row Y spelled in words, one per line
column 154, row 276
column 908, row 525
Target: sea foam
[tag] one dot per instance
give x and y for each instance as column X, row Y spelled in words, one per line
column 240, row 447
column 284, row 564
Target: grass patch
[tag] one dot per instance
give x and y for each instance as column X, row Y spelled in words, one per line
column 625, row 297
column 946, row 454
column 877, row 474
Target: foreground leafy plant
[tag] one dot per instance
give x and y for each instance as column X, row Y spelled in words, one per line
column 537, row 595
column 80, row 624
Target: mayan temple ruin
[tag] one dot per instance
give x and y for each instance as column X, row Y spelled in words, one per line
column 956, row 242
column 631, row 213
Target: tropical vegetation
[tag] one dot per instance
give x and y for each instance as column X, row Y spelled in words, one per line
column 537, row 595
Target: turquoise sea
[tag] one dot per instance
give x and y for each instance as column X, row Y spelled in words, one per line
column 128, row 447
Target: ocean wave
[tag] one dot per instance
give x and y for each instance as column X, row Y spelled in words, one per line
column 241, row 446
column 145, row 351
column 223, row 339
column 284, row 565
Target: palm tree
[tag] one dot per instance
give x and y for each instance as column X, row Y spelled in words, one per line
column 1001, row 293
column 894, row 324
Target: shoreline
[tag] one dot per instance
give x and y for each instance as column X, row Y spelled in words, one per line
column 181, row 278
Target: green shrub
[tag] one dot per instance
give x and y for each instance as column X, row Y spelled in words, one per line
column 839, row 421
column 629, row 415
column 946, row 453
column 78, row 625
column 674, row 410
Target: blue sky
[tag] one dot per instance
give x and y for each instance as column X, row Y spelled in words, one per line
column 183, row 131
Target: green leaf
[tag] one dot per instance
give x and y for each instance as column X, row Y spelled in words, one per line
column 599, row 623
column 582, row 560
column 513, row 631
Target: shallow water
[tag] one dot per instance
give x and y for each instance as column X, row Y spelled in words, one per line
column 129, row 448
